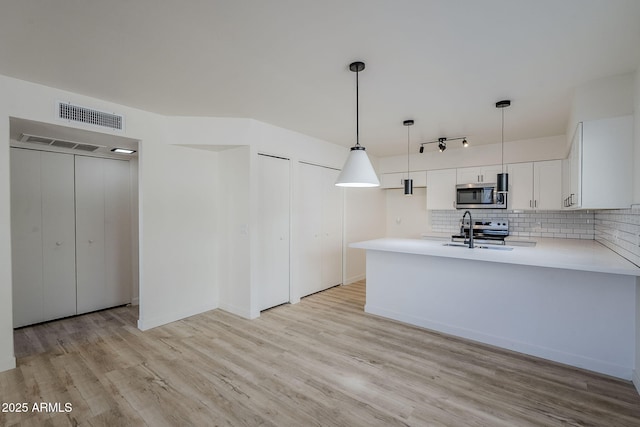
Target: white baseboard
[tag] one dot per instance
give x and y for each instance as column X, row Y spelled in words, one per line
column 636, row 380
column 7, row 364
column 353, row 279
column 146, row 324
column 238, row 311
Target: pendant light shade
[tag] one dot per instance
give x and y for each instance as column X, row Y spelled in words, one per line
column 408, row 183
column 502, row 185
column 357, row 170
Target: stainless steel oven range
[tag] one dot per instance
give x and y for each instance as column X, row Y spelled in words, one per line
column 484, row 231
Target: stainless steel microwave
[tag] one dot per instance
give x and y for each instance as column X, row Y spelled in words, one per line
column 479, row 196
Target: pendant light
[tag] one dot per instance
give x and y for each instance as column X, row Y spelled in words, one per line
column 408, row 183
column 503, row 178
column 357, row 170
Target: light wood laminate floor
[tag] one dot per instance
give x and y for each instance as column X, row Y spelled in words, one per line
column 322, row 362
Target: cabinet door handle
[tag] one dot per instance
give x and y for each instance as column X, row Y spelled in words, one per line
column 535, row 203
column 454, row 204
column 530, row 203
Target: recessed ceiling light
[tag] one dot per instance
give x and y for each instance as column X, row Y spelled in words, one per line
column 123, row 150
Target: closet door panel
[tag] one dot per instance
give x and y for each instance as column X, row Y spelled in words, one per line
column 332, row 217
column 310, row 229
column 273, row 231
column 90, row 234
column 117, row 233
column 26, row 237
column 58, row 235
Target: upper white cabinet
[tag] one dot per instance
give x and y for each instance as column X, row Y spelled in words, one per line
column 486, row 174
column 535, row 185
column 441, row 189
column 601, row 165
column 396, row 180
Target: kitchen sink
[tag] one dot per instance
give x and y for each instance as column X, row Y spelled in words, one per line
column 464, row 245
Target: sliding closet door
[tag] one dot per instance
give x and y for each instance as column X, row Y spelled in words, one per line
column 102, row 233
column 58, row 235
column 273, row 231
column 26, row 237
column 42, row 236
column 332, row 218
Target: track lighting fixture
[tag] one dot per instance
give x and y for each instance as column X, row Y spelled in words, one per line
column 442, row 143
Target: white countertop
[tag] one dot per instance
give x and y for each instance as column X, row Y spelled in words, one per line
column 572, row 254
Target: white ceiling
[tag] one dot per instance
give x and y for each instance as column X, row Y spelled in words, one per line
column 443, row 63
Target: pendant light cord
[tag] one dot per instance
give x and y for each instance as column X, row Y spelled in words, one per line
column 357, row 110
column 502, row 140
column 408, row 139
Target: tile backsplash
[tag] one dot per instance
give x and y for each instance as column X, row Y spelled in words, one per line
column 557, row 224
column 619, row 230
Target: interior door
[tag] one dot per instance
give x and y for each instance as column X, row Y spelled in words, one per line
column 332, row 218
column 273, row 231
column 310, row 229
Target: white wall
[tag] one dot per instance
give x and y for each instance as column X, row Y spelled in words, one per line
column 636, row 138
column 406, row 215
column 178, row 225
column 607, row 97
column 365, row 215
column 233, row 223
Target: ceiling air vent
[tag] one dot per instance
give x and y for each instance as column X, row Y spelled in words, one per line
column 76, row 113
column 60, row 143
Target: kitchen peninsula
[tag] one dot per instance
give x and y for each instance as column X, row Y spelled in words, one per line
column 565, row 300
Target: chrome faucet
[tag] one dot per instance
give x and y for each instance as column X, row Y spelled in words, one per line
column 470, row 227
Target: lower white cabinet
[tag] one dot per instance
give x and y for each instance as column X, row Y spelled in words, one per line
column 273, row 231
column 70, row 234
column 441, row 189
column 319, row 231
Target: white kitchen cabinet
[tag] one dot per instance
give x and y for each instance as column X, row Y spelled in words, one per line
column 441, row 189
column 319, row 242
column 103, row 235
column 273, row 231
column 478, row 174
column 535, row 185
column 42, row 230
column 601, row 164
column 396, row 180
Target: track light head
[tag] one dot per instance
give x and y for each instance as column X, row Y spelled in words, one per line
column 442, row 145
column 465, row 143
column 421, row 148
